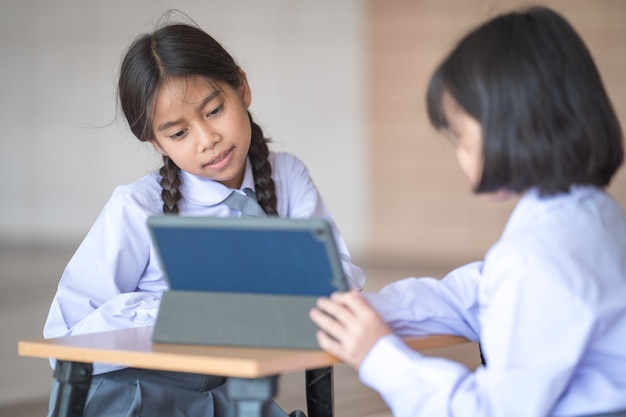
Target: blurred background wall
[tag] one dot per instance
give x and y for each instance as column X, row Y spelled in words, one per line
column 420, row 205
column 340, row 84
column 64, row 148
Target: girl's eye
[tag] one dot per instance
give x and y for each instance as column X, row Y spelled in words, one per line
column 216, row 111
column 178, row 134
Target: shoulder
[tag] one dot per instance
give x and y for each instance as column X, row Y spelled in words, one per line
column 288, row 169
column 562, row 219
column 284, row 161
column 574, row 240
column 297, row 194
column 122, row 221
column 143, row 195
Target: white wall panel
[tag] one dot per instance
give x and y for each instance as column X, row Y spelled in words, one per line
column 63, row 151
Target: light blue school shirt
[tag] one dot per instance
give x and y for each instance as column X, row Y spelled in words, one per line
column 548, row 305
column 114, row 279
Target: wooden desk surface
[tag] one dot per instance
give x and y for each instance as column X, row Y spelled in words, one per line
column 133, row 347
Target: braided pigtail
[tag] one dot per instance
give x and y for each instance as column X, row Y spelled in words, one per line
column 262, row 170
column 170, row 183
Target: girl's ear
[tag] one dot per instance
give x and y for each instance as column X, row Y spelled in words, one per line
column 158, row 147
column 244, row 89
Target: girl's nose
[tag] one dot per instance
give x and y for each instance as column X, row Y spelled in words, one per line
column 207, row 138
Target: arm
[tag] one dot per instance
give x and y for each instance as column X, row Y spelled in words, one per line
column 528, row 366
column 110, row 282
column 421, row 306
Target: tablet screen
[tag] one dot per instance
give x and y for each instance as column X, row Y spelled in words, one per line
column 267, row 255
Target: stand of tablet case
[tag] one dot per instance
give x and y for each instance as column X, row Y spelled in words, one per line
column 244, row 281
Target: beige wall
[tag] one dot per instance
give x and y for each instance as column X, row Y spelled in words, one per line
column 421, row 208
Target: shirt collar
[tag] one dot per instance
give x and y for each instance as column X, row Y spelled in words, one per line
column 206, row 192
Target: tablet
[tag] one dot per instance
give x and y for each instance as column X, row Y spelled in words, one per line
column 244, row 281
column 266, row 255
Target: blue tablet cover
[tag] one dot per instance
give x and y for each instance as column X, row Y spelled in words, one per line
column 248, row 255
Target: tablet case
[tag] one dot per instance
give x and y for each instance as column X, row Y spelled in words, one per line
column 244, row 281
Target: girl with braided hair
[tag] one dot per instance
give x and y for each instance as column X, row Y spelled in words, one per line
column 184, row 94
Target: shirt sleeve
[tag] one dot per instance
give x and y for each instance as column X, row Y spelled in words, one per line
column 422, row 306
column 110, row 282
column 303, row 200
column 532, row 343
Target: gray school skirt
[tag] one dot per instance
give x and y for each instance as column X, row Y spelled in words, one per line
column 133, row 392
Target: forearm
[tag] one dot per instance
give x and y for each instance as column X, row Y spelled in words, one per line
column 421, row 306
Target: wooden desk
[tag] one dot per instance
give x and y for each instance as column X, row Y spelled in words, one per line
column 249, row 370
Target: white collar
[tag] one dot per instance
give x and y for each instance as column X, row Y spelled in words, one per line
column 206, row 192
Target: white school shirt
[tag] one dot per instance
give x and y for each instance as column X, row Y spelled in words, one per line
column 548, row 305
column 114, row 279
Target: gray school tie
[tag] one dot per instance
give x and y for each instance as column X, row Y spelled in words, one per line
column 246, row 204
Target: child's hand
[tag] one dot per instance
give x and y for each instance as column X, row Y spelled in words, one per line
column 349, row 326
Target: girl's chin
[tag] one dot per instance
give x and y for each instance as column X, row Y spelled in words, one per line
column 497, row 196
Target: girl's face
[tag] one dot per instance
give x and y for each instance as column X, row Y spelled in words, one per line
column 467, row 137
column 204, row 127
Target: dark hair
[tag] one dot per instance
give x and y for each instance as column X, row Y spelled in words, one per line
column 181, row 50
column 546, row 119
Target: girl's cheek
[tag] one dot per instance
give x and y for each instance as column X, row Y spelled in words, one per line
column 471, row 164
column 464, row 163
column 477, row 171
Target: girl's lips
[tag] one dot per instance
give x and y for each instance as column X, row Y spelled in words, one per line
column 221, row 160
